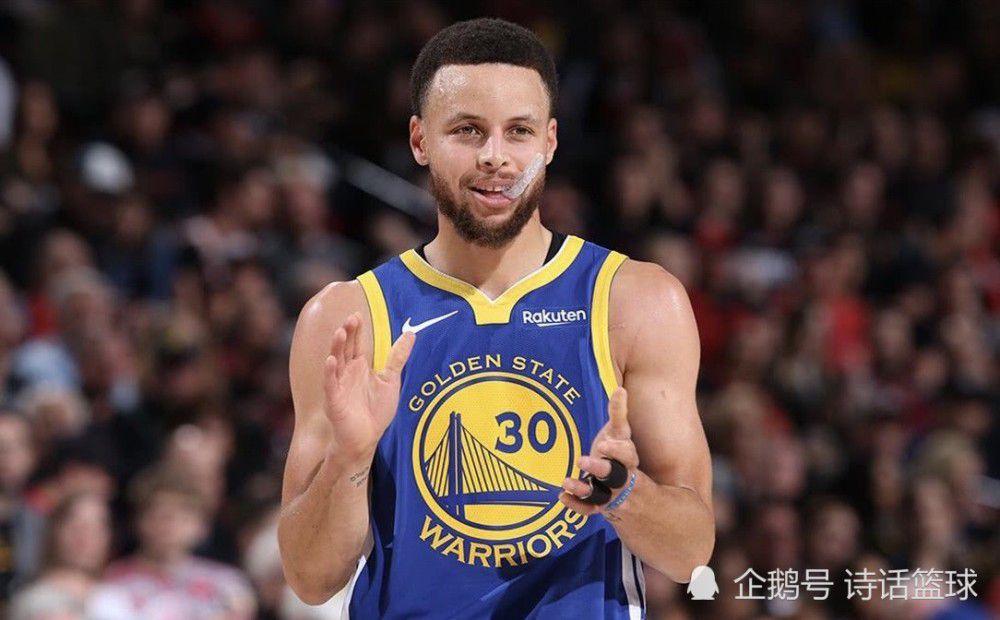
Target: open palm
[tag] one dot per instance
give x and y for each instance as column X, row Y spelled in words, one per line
column 360, row 401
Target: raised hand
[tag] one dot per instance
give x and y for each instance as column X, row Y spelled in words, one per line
column 613, row 441
column 360, row 402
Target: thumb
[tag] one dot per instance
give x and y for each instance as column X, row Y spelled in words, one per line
column 618, row 415
column 398, row 354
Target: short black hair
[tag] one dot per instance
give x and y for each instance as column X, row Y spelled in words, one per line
column 481, row 41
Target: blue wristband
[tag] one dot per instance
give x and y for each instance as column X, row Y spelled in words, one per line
column 616, row 502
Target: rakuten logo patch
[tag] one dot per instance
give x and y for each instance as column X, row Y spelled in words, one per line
column 551, row 318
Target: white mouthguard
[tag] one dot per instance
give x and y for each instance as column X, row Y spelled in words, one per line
column 529, row 174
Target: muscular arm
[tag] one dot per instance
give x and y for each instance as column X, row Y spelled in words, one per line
column 323, row 525
column 667, row 521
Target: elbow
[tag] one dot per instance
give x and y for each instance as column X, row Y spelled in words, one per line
column 699, row 550
column 701, row 556
column 309, row 594
column 312, row 596
column 314, row 591
column 699, row 553
column 313, row 581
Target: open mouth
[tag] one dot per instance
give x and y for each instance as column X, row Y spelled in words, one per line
column 488, row 193
column 491, row 198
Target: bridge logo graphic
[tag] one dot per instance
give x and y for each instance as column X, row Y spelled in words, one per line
column 490, row 454
column 463, row 471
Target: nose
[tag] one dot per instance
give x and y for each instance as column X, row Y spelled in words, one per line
column 493, row 155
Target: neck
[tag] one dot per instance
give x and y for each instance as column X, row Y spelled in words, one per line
column 491, row 270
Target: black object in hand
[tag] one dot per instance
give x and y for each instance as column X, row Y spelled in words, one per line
column 599, row 494
column 600, row 488
column 618, row 476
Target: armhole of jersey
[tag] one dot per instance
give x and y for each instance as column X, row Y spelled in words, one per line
column 380, row 319
column 599, row 320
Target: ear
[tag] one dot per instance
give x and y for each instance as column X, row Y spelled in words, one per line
column 417, row 140
column 551, row 140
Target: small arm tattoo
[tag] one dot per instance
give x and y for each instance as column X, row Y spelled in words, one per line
column 359, row 478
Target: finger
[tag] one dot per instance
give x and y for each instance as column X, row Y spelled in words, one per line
column 399, row 353
column 358, row 349
column 574, row 504
column 331, row 384
column 617, row 477
column 618, row 415
column 353, row 325
column 597, row 466
column 578, row 488
column 334, row 343
column 622, row 450
column 348, row 337
column 337, row 348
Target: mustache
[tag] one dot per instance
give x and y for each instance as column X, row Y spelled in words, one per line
column 495, row 178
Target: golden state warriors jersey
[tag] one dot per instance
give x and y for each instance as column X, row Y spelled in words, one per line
column 499, row 398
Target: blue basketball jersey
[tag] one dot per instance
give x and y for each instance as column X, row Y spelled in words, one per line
column 499, row 398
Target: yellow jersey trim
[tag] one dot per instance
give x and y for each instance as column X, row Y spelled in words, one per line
column 599, row 320
column 380, row 319
column 491, row 311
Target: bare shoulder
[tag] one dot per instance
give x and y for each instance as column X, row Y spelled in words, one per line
column 648, row 307
column 318, row 321
column 646, row 283
column 333, row 301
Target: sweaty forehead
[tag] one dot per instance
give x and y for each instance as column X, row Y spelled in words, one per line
column 487, row 90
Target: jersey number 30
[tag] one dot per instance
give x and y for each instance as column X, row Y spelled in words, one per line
column 512, row 438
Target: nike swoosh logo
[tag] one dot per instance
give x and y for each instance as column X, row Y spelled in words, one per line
column 419, row 326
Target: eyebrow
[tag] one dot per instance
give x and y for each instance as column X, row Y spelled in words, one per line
column 466, row 116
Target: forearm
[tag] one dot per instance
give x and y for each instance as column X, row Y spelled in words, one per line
column 668, row 527
column 322, row 532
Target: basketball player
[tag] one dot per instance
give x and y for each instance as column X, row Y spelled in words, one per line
column 448, row 402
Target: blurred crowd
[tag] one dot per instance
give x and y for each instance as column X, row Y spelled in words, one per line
column 178, row 177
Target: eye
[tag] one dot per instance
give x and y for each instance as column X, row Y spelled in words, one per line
column 520, row 130
column 467, row 130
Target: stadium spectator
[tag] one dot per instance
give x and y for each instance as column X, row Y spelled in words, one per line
column 21, row 527
column 163, row 579
column 77, row 546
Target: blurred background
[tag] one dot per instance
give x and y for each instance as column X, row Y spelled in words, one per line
column 178, row 177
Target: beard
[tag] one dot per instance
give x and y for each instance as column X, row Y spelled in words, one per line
column 477, row 231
